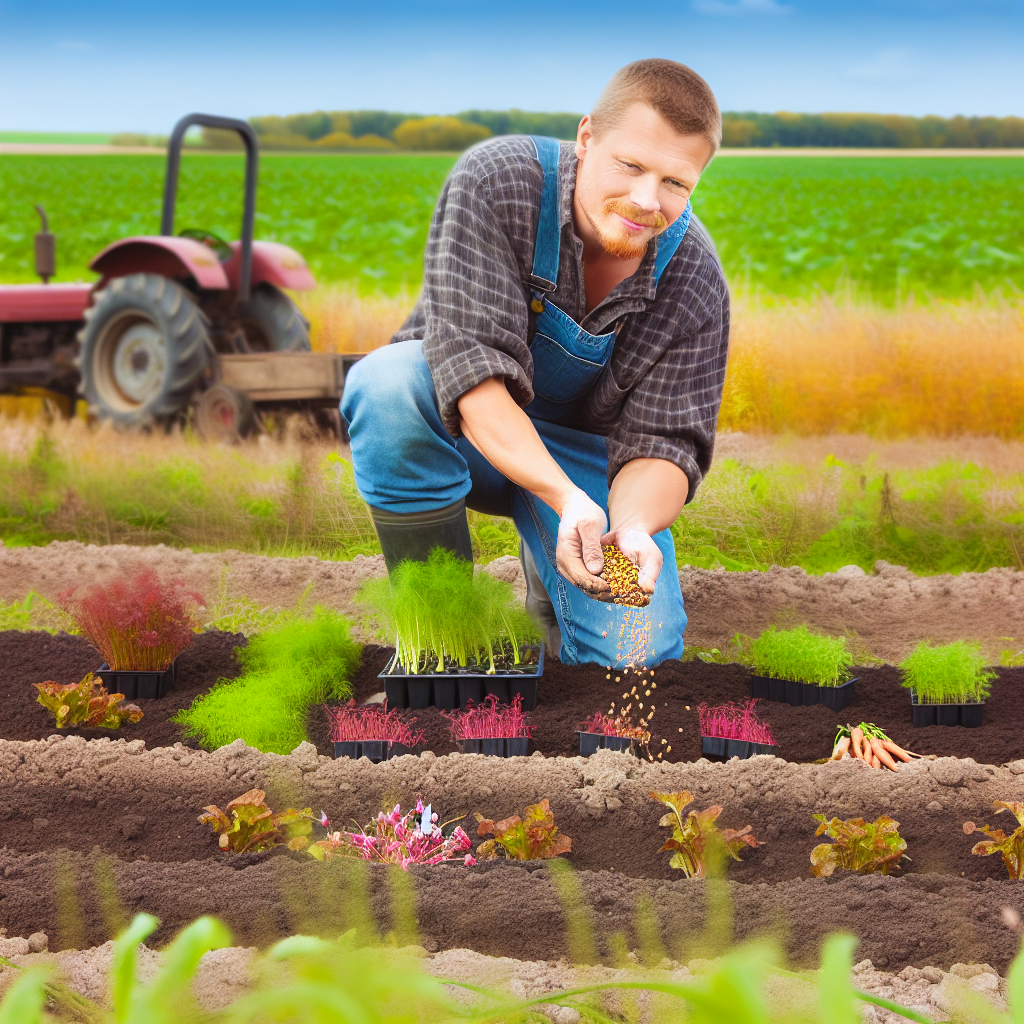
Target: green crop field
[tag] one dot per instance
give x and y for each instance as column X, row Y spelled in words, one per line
column 790, row 226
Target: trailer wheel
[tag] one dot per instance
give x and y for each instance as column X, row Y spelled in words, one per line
column 272, row 322
column 224, row 414
column 143, row 350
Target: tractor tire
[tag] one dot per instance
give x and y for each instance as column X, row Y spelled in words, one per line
column 272, row 322
column 143, row 351
column 224, row 414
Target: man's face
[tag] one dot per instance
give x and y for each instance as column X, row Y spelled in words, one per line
column 634, row 180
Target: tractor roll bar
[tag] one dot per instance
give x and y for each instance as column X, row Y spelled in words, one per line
column 249, row 207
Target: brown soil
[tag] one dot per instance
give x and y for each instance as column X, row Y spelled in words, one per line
column 567, row 696
column 890, row 610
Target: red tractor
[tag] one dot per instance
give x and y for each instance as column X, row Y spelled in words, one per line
column 177, row 325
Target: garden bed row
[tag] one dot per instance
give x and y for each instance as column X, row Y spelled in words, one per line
column 126, row 801
column 510, row 910
column 567, row 696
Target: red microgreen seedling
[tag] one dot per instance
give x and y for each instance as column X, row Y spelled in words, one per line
column 351, row 723
column 396, row 838
column 734, row 722
column 862, row 846
column 253, row 826
column 86, row 705
column 490, row 720
column 136, row 622
column 697, row 843
column 534, row 836
column 1010, row 847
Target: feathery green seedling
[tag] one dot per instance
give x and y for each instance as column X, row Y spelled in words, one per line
column 440, row 614
column 951, row 674
column 800, row 655
column 284, row 672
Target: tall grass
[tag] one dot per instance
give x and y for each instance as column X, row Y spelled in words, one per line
column 761, row 505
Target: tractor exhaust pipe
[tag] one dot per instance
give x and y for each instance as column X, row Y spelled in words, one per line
column 46, row 249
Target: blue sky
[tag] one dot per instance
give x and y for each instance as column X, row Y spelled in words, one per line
column 89, row 65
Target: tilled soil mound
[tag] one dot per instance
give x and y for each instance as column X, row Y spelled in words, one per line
column 890, row 610
column 568, row 695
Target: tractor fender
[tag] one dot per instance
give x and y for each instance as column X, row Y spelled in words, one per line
column 166, row 255
column 43, row 303
column 272, row 263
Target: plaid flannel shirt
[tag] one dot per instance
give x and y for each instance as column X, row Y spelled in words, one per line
column 658, row 396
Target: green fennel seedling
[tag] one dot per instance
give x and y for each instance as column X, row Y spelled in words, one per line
column 284, row 672
column 951, row 674
column 800, row 655
column 440, row 614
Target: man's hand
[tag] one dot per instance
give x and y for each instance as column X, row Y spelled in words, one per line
column 641, row 550
column 578, row 552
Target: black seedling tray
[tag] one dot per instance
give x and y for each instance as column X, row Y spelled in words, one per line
column 592, row 742
column 967, row 715
column 786, row 691
column 497, row 746
column 136, row 685
column 450, row 690
column 715, row 748
column 375, row 750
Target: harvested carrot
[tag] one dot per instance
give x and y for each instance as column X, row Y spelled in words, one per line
column 881, row 754
column 842, row 748
column 896, row 750
column 874, row 762
column 857, row 741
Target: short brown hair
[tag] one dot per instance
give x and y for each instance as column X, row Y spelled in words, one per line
column 675, row 91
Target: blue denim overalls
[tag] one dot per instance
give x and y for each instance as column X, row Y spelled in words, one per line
column 566, row 359
column 405, row 461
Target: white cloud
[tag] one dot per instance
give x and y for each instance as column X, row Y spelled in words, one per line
column 892, row 65
column 721, row 7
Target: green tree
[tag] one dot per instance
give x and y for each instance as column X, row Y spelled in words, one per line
column 439, row 133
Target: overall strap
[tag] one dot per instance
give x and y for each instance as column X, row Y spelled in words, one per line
column 546, row 247
column 668, row 242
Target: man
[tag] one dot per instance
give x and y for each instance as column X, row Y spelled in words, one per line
column 564, row 364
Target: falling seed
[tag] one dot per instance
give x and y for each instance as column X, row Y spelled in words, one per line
column 641, row 707
column 647, row 693
column 605, row 633
column 625, row 695
column 664, row 741
column 668, row 750
column 654, row 686
column 681, row 727
column 659, row 755
column 687, row 707
column 617, row 679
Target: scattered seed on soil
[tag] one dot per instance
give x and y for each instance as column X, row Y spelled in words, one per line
column 623, row 577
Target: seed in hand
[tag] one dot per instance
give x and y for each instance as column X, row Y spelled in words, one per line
column 623, row 577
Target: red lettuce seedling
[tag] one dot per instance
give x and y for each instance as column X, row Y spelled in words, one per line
column 353, row 724
column 86, row 705
column 734, row 722
column 1011, row 846
column 697, row 843
column 490, row 720
column 253, row 826
column 534, row 836
column 136, row 622
column 396, row 838
column 862, row 846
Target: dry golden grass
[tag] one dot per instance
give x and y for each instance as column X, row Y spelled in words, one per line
column 821, row 367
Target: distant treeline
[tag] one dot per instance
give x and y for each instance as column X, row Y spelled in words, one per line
column 383, row 130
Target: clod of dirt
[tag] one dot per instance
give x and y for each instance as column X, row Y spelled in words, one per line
column 623, row 577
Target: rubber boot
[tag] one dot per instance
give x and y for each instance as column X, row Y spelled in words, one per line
column 538, row 604
column 413, row 535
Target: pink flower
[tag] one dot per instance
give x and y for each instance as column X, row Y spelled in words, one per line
column 469, row 860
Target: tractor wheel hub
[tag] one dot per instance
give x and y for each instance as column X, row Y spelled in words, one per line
column 139, row 362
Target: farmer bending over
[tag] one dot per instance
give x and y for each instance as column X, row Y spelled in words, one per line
column 564, row 363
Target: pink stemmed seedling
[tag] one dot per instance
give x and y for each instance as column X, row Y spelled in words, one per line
column 734, row 722
column 396, row 838
column 353, row 724
column 490, row 720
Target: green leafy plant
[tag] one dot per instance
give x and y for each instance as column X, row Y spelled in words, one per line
column 86, row 705
column 800, row 655
column 534, row 836
column 867, row 847
column 34, row 612
column 440, row 614
column 253, row 826
column 697, row 844
column 1009, row 847
column 951, row 674
column 285, row 671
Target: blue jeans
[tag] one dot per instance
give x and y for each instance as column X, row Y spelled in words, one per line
column 405, row 461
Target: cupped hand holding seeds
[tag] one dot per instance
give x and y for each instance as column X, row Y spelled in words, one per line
column 623, row 576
